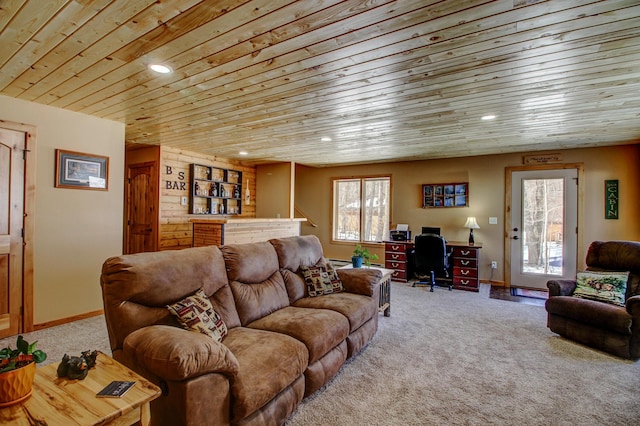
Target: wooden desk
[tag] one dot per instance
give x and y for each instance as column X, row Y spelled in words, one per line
column 384, row 304
column 65, row 402
column 464, row 261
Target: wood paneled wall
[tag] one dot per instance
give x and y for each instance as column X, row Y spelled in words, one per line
column 175, row 228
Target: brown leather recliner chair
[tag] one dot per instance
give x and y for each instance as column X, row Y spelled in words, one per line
column 611, row 328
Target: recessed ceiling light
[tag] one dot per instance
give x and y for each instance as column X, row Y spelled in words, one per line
column 159, row 68
column 488, row 117
column 243, row 153
column 325, row 139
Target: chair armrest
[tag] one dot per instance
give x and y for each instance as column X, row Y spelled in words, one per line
column 561, row 287
column 633, row 306
column 176, row 354
column 360, row 280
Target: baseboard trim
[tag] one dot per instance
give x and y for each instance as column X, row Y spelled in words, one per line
column 494, row 283
column 61, row 321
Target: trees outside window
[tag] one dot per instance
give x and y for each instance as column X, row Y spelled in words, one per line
column 361, row 209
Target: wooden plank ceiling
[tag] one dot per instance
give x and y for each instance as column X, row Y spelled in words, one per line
column 383, row 80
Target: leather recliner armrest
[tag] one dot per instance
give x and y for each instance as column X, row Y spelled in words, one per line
column 360, row 280
column 176, row 354
column 633, row 306
column 561, row 287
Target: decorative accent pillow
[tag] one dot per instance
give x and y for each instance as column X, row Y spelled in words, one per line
column 609, row 287
column 321, row 279
column 196, row 313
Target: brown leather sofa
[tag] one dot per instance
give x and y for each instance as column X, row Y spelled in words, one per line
column 611, row 328
column 281, row 345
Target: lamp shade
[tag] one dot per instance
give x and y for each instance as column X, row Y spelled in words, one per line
column 471, row 223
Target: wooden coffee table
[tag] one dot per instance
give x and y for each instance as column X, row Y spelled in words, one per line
column 63, row 401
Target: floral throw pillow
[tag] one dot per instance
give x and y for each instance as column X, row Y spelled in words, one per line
column 609, row 287
column 321, row 279
column 196, row 313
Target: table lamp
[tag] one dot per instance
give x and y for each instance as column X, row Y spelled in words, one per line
column 471, row 224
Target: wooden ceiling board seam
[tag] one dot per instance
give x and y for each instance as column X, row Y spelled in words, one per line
column 132, row 76
column 432, row 85
column 193, row 79
column 51, row 35
column 245, row 89
column 48, row 67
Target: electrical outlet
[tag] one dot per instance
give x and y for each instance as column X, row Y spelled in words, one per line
column 494, row 264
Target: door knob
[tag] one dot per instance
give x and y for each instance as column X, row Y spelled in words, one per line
column 516, row 237
column 515, row 229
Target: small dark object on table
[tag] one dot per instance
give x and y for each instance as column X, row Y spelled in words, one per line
column 77, row 367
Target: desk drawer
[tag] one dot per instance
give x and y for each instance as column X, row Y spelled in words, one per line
column 395, row 265
column 395, row 257
column 399, row 275
column 465, row 263
column 465, row 252
column 465, row 272
column 400, row 248
column 465, row 282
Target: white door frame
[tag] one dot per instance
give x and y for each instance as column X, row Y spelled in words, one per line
column 580, row 253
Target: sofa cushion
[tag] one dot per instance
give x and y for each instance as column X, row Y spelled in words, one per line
column 255, row 300
column 250, row 263
column 321, row 280
column 319, row 329
column 597, row 314
column 195, row 313
column 268, row 363
column 172, row 353
column 609, row 287
column 356, row 308
column 255, row 279
column 294, row 252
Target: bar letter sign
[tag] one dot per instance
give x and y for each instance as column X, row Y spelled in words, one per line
column 611, row 199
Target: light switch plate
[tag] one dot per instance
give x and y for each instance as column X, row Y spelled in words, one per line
column 493, row 221
column 183, row 201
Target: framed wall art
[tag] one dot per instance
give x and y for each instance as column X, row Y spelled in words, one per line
column 78, row 170
column 445, row 195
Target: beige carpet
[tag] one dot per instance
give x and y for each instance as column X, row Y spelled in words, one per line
column 448, row 358
column 460, row 358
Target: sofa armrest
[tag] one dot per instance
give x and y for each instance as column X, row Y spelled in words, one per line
column 633, row 306
column 176, row 354
column 561, row 287
column 360, row 280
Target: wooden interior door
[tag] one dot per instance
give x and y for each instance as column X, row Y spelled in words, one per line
column 142, row 208
column 12, row 146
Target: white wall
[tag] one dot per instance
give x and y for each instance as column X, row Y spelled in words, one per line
column 75, row 230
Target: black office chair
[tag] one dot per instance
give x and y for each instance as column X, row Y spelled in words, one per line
column 430, row 257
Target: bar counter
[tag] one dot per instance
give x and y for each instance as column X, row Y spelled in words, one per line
column 219, row 231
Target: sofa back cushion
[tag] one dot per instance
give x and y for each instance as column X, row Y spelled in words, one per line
column 136, row 288
column 294, row 252
column 619, row 256
column 255, row 279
